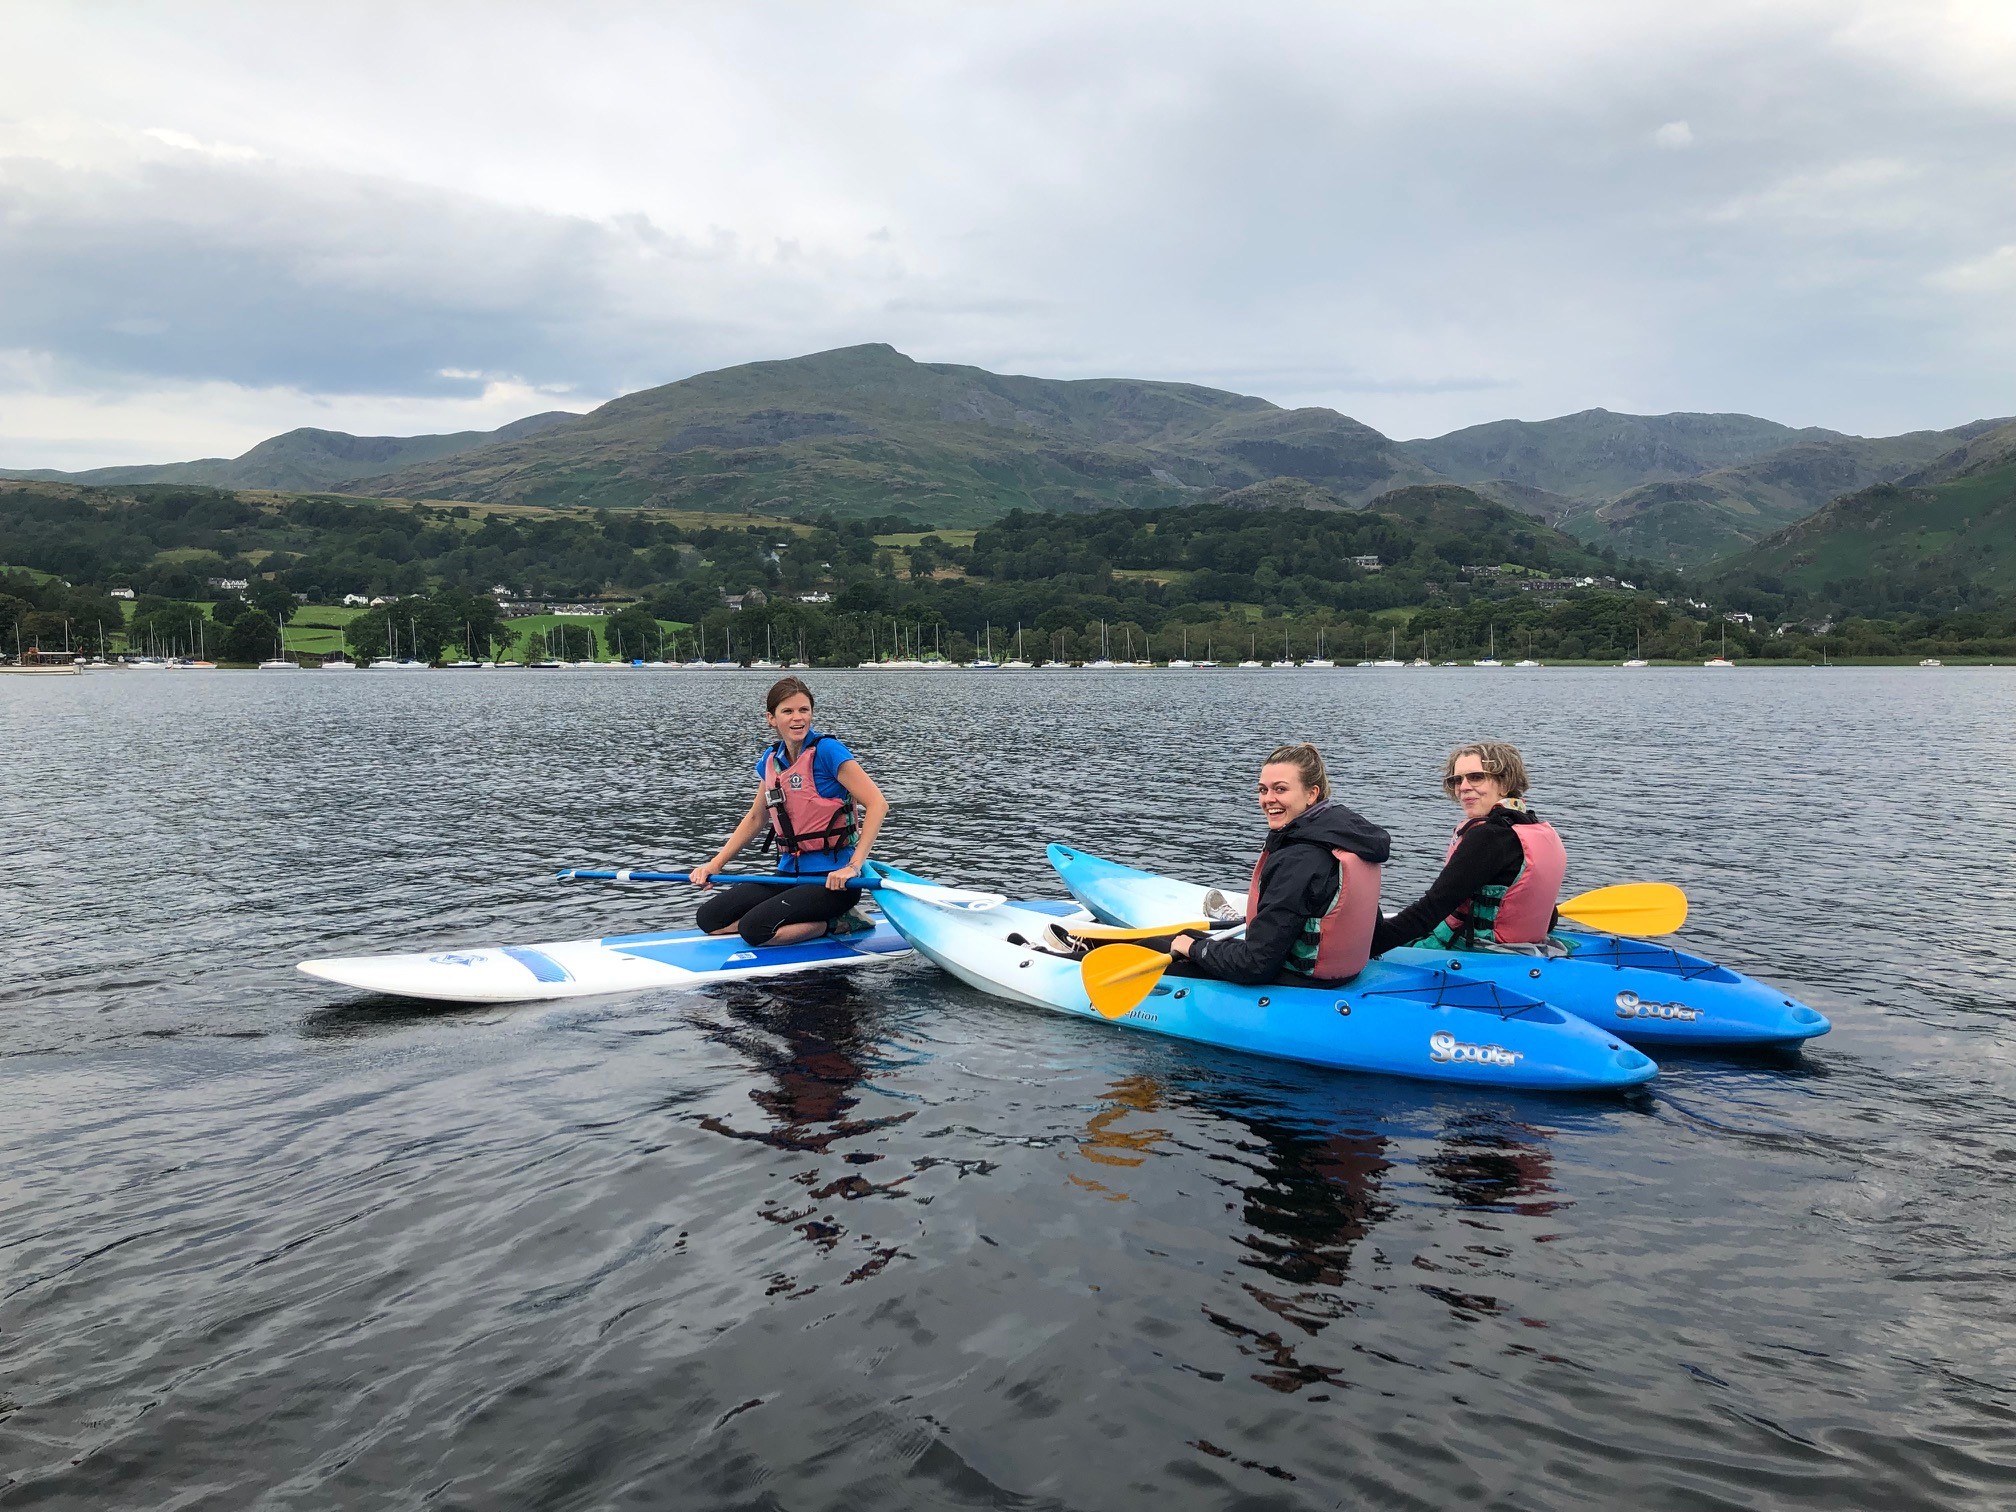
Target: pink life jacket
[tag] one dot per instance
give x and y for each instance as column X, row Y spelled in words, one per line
column 1344, row 934
column 1525, row 912
column 802, row 821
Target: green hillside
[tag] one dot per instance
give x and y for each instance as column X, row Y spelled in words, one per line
column 1260, row 557
column 1598, row 454
column 865, row 430
column 1895, row 549
column 306, row 459
column 1691, row 521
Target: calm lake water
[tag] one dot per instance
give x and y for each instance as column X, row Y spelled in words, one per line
column 878, row 1241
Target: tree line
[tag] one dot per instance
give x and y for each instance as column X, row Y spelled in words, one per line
column 1228, row 579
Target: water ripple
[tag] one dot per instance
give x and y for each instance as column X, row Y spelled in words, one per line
column 884, row 1241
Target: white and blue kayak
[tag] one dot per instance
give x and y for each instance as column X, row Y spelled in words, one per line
column 1645, row 992
column 590, row 968
column 1393, row 1020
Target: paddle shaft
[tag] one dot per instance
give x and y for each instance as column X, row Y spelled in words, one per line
column 962, row 898
column 625, row 874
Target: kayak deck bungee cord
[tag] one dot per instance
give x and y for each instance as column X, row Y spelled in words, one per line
column 1645, row 992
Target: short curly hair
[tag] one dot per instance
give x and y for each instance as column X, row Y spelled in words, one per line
column 1496, row 757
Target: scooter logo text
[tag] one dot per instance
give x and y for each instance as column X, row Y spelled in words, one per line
column 1632, row 1006
column 1444, row 1046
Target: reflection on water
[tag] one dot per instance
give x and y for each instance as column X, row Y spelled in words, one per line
column 1485, row 1161
column 1114, row 1136
column 806, row 1038
column 877, row 1240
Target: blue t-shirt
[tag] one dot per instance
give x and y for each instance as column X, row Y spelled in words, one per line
column 828, row 756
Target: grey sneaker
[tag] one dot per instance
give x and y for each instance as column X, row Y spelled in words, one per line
column 1058, row 939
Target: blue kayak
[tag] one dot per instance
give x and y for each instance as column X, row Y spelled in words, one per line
column 1394, row 1020
column 1648, row 993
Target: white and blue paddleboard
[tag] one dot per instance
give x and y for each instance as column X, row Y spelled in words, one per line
column 588, row 968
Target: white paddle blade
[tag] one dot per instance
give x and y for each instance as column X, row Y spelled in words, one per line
column 946, row 897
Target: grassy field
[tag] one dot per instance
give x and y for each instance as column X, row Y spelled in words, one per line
column 540, row 623
column 316, row 640
column 328, row 614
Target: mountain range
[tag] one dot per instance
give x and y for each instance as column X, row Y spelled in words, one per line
column 302, row 461
column 1937, row 539
column 865, row 430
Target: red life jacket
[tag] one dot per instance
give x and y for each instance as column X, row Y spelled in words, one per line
column 1344, row 934
column 802, row 821
column 1525, row 911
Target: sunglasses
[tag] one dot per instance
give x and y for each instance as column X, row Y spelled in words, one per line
column 1458, row 779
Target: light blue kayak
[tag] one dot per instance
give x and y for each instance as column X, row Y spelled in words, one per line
column 1395, row 1020
column 1648, row 993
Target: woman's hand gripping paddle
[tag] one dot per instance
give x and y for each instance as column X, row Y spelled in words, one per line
column 1630, row 908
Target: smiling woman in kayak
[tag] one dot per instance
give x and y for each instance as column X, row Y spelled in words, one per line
column 1315, row 891
column 823, row 812
column 1502, row 875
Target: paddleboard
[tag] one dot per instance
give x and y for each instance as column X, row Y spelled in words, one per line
column 590, row 968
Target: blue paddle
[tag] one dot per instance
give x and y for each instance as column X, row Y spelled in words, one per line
column 923, row 892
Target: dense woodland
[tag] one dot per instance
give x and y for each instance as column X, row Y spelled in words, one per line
column 1230, row 581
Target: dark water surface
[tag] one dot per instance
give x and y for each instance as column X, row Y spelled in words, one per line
column 878, row 1241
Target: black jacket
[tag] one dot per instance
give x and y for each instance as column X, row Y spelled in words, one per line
column 1487, row 854
column 1299, row 883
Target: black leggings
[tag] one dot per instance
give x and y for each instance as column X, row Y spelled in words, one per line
column 759, row 910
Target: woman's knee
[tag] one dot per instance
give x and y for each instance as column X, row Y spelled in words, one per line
column 760, row 924
column 719, row 911
column 756, row 930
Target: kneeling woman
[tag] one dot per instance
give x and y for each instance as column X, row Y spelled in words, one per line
column 1315, row 891
column 1503, row 872
column 809, row 787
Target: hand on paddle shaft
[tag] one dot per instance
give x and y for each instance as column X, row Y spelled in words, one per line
column 1118, row 976
column 923, row 892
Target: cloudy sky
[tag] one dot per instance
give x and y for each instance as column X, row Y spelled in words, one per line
column 221, row 221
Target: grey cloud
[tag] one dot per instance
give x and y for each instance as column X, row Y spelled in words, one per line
column 252, row 274
column 1313, row 206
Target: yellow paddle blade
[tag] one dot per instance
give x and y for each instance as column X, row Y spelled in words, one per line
column 1630, row 908
column 1122, row 932
column 1117, row 977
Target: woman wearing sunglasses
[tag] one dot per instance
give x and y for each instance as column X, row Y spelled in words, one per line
column 1503, row 872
